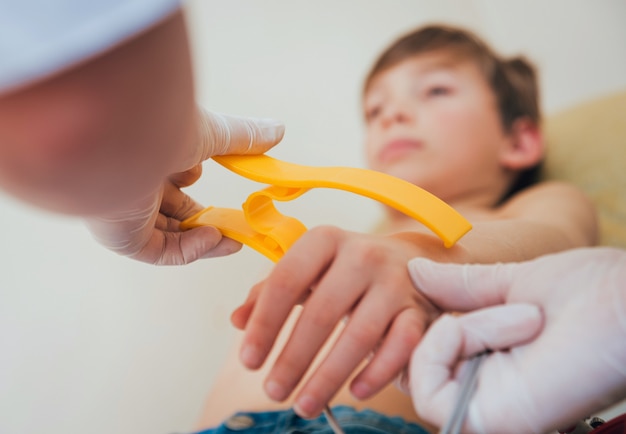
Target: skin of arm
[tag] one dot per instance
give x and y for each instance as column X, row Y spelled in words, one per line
column 338, row 274
column 546, row 218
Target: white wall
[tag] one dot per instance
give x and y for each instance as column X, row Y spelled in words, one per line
column 94, row 343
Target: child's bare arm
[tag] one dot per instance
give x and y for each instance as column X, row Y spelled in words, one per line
column 547, row 218
column 340, row 273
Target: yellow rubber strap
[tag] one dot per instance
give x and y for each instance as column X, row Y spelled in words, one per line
column 262, row 227
column 401, row 195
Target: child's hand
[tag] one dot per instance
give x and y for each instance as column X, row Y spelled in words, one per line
column 336, row 273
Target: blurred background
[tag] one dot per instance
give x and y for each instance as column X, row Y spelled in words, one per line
column 94, row 343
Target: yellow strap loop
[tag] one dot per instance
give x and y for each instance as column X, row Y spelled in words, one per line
column 263, row 228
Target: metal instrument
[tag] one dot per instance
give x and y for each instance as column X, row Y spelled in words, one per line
column 468, row 386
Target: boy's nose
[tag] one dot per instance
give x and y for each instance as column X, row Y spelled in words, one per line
column 398, row 114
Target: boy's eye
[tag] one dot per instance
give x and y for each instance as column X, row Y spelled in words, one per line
column 372, row 113
column 437, row 90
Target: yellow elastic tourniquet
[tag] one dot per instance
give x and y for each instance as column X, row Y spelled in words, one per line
column 263, row 228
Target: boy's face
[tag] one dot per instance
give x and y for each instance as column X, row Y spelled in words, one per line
column 433, row 121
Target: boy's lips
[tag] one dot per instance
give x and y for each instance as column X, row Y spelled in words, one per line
column 398, row 147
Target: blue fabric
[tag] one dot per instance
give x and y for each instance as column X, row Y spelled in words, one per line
column 41, row 37
column 352, row 421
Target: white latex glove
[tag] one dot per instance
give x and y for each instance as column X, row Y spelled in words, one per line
column 148, row 230
column 554, row 373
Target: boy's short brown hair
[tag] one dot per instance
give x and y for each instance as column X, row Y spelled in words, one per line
column 513, row 81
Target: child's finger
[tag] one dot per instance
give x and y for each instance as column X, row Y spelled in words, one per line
column 240, row 316
column 392, row 356
column 362, row 333
column 322, row 312
column 292, row 277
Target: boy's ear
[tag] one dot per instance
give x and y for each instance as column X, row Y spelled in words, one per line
column 525, row 148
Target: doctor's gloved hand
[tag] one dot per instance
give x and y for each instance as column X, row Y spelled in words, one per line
column 557, row 328
column 148, row 228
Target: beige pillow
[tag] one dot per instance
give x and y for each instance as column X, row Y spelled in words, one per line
column 587, row 147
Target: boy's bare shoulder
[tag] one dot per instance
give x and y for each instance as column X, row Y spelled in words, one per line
column 556, row 203
column 562, row 193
